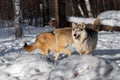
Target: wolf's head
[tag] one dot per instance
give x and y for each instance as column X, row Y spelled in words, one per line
column 78, row 30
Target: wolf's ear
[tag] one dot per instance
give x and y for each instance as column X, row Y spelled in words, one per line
column 74, row 24
column 83, row 25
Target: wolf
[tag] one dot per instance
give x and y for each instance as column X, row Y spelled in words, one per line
column 85, row 40
column 56, row 41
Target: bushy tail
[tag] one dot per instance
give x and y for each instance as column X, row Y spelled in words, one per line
column 97, row 21
column 97, row 24
column 29, row 48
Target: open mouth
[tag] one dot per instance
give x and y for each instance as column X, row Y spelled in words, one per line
column 76, row 36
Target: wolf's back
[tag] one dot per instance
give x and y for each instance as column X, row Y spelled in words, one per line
column 29, row 48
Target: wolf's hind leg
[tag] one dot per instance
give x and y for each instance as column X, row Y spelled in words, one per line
column 44, row 50
column 57, row 56
column 65, row 51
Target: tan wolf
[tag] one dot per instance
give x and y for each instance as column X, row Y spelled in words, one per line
column 85, row 40
column 57, row 41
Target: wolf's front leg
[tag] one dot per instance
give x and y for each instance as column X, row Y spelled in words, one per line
column 65, row 51
column 88, row 53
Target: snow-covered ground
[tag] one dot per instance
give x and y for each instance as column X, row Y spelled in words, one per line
column 17, row 64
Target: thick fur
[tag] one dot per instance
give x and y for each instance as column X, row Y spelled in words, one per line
column 56, row 41
column 85, row 40
column 100, row 27
column 96, row 25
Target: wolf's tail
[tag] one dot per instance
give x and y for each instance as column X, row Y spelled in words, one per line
column 29, row 48
column 97, row 24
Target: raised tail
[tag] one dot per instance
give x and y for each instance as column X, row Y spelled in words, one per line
column 29, row 48
column 97, row 24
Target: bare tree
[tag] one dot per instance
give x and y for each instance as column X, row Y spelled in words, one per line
column 17, row 18
column 87, row 2
column 83, row 8
column 60, row 14
column 46, row 14
column 68, row 3
column 76, row 8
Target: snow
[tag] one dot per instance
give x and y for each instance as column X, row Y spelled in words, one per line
column 84, row 68
column 24, row 67
column 110, row 18
column 17, row 64
column 110, row 15
column 79, row 20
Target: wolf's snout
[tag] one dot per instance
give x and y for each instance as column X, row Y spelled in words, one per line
column 75, row 35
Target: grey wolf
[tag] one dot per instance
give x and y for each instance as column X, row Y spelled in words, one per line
column 85, row 40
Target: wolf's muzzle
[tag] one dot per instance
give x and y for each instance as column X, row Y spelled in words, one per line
column 76, row 36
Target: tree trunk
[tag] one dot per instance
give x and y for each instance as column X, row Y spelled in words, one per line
column 41, row 14
column 17, row 18
column 68, row 3
column 51, row 8
column 46, row 16
column 83, row 8
column 76, row 9
column 60, row 15
column 56, row 14
column 88, row 8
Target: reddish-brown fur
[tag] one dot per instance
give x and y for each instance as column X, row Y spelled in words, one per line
column 56, row 41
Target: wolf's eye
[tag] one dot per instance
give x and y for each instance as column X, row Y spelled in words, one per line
column 73, row 29
column 81, row 29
